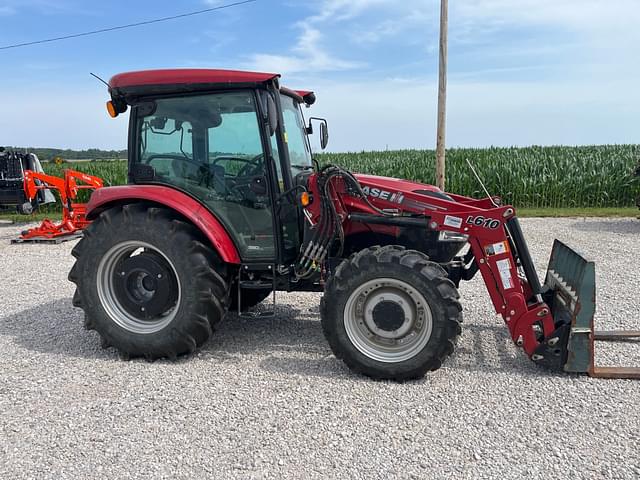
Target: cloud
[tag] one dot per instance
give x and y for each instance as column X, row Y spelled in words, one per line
column 385, row 113
column 573, row 37
column 521, row 72
column 572, row 14
column 475, row 24
column 340, row 10
column 309, row 55
column 381, row 114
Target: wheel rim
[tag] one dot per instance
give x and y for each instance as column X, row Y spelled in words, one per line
column 388, row 320
column 138, row 287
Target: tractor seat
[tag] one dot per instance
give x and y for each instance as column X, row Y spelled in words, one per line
column 217, row 179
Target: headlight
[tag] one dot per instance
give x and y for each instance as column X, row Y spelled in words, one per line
column 447, row 236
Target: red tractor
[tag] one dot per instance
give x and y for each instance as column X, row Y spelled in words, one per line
column 225, row 206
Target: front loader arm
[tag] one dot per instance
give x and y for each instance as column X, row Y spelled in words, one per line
column 552, row 323
column 498, row 250
column 501, row 255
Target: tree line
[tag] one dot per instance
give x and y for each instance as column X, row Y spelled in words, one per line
column 48, row 154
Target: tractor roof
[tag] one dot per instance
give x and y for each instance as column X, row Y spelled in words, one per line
column 150, row 82
column 188, row 77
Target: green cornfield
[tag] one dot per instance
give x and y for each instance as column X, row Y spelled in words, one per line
column 532, row 177
column 112, row 172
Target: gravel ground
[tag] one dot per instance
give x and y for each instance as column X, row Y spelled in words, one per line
column 267, row 399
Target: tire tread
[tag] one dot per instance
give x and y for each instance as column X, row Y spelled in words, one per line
column 447, row 330
column 209, row 277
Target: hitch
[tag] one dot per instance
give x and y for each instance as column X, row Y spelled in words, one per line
column 570, row 292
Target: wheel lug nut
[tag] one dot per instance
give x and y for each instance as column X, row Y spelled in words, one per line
column 159, row 275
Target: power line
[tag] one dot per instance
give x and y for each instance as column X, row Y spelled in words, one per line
column 130, row 25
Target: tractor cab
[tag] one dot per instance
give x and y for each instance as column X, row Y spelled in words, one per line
column 234, row 141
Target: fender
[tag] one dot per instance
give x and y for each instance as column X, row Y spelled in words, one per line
column 174, row 199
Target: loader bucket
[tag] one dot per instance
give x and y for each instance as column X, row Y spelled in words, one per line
column 570, row 291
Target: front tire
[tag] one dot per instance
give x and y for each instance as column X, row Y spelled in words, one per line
column 390, row 313
column 147, row 282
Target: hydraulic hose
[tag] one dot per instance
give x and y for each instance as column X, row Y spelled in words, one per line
column 329, row 228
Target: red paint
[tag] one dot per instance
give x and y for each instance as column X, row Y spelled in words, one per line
column 187, row 76
column 175, row 200
column 393, row 184
column 303, row 93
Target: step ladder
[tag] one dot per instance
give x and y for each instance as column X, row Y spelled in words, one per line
column 247, row 281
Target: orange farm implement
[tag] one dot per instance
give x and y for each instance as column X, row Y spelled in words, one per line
column 73, row 214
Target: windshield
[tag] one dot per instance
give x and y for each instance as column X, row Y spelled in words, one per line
column 299, row 153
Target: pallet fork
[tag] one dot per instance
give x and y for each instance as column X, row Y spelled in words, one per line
column 74, row 218
column 570, row 291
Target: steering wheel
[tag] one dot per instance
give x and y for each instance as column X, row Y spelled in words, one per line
column 240, row 184
column 202, row 173
column 256, row 162
column 244, row 171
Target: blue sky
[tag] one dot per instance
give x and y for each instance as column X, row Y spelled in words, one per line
column 522, row 72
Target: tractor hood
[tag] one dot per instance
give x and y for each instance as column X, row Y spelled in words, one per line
column 386, row 187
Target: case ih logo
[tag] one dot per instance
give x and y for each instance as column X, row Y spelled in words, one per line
column 383, row 194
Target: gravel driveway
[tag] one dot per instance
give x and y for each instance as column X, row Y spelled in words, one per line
column 267, row 399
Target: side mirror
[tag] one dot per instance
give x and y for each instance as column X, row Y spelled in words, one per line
column 324, row 131
column 324, row 135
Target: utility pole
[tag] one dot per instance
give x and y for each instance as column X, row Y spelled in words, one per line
column 442, row 95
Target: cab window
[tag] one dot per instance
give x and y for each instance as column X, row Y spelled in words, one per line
column 210, row 146
column 299, row 153
column 296, row 138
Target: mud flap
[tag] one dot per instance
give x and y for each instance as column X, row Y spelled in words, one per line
column 570, row 291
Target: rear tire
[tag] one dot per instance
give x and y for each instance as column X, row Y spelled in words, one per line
column 147, row 282
column 390, row 313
